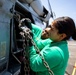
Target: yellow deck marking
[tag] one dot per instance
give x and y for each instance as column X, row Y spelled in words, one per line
column 73, row 73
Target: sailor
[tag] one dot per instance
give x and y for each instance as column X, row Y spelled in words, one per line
column 53, row 47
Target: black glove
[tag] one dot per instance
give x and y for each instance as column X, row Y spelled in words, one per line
column 26, row 22
column 28, row 35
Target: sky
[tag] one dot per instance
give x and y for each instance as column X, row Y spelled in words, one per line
column 63, row 8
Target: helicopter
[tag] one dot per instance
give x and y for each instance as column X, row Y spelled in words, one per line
column 11, row 11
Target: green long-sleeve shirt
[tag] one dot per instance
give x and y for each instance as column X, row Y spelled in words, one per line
column 55, row 53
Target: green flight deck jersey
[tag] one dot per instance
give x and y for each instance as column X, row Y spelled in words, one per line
column 56, row 54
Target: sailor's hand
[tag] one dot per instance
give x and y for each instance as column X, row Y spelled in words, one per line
column 27, row 33
column 25, row 22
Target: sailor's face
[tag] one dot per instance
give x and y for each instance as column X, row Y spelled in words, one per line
column 50, row 32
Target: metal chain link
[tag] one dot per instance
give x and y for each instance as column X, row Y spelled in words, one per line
column 26, row 60
column 24, row 38
column 25, row 47
column 38, row 51
column 27, row 35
